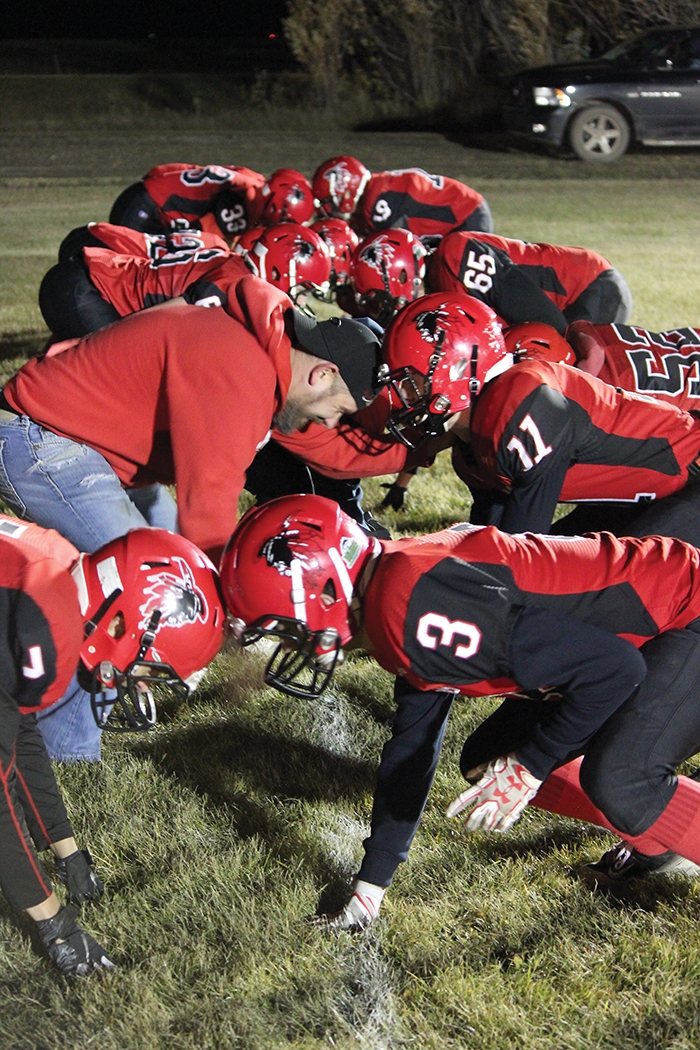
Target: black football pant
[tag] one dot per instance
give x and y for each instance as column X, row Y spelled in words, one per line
column 32, row 812
column 607, row 300
column 276, row 472
column 628, row 770
column 135, row 208
column 676, row 515
column 71, row 304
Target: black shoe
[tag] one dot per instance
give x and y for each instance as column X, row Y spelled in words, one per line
column 622, row 863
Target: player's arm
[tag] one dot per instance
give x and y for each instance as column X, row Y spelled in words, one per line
column 405, row 776
column 589, row 350
column 534, row 454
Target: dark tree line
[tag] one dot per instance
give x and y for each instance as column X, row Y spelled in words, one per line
column 426, row 55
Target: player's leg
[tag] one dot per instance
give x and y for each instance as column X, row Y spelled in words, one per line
column 629, row 768
column 134, row 207
column 676, row 515
column 480, row 219
column 607, row 300
column 71, row 304
column 276, row 472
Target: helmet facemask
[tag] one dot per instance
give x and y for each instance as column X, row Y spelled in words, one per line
column 303, row 663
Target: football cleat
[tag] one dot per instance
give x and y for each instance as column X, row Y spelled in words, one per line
column 621, row 863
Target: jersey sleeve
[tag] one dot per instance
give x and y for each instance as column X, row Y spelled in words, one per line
column 533, row 455
column 596, row 670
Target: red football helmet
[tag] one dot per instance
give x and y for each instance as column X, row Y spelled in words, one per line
column 289, row 572
column 286, row 197
column 388, row 271
column 438, row 353
column 540, row 341
column 247, row 239
column 338, row 184
column 154, row 618
column 293, row 258
column 342, row 242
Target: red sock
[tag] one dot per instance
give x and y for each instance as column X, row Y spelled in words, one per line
column 677, row 829
column 562, row 793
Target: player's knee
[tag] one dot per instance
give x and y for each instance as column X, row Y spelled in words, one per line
column 616, row 790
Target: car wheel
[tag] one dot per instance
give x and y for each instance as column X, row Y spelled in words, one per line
column 599, row 134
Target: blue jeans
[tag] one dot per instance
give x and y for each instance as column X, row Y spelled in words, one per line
column 70, row 487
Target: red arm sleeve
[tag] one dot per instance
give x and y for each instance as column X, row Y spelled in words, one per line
column 346, row 452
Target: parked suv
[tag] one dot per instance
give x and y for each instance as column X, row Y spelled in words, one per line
column 647, row 90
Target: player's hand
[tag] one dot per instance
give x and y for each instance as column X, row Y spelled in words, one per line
column 73, row 950
column 501, row 795
column 395, row 496
column 76, row 873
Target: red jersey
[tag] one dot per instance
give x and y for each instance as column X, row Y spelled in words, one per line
column 131, row 284
column 476, row 264
column 413, row 200
column 440, row 610
column 125, row 241
column 663, row 365
column 42, row 629
column 189, row 191
column 544, row 432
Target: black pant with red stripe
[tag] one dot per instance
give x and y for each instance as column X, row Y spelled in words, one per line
column 32, row 813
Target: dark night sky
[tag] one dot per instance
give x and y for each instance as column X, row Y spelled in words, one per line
column 107, row 19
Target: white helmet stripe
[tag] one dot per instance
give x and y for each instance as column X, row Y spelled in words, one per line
column 261, row 251
column 501, row 366
column 298, row 594
column 342, row 570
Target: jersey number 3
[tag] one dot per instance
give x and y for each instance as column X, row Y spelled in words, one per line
column 434, row 629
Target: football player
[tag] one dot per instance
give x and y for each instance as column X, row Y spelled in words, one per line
column 530, row 282
column 223, row 200
column 475, row 612
column 541, row 432
column 107, row 611
column 125, row 241
column 408, row 199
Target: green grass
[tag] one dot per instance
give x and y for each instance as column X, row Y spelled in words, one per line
column 220, row 832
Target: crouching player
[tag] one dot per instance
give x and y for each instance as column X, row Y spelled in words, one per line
column 476, row 612
column 142, row 611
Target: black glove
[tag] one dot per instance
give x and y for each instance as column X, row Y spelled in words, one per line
column 71, row 948
column 394, row 497
column 76, row 873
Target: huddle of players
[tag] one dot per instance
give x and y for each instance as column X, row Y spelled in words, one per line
column 554, row 286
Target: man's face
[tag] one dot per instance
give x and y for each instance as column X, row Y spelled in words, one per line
column 325, row 406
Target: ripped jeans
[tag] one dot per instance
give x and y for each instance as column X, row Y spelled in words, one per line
column 63, row 485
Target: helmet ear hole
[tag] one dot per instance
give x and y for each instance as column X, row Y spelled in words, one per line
column 403, row 277
column 329, row 593
column 275, row 274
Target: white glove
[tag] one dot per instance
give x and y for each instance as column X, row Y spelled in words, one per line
column 360, row 911
column 502, row 793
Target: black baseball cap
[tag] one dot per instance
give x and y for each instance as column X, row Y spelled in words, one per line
column 347, row 343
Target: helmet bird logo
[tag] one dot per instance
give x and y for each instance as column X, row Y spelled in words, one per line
column 431, row 324
column 177, row 598
column 378, row 254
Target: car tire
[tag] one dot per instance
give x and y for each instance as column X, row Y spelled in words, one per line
column 599, row 134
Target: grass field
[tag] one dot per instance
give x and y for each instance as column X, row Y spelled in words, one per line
column 218, row 834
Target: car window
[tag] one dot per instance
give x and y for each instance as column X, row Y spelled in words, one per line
column 658, row 50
